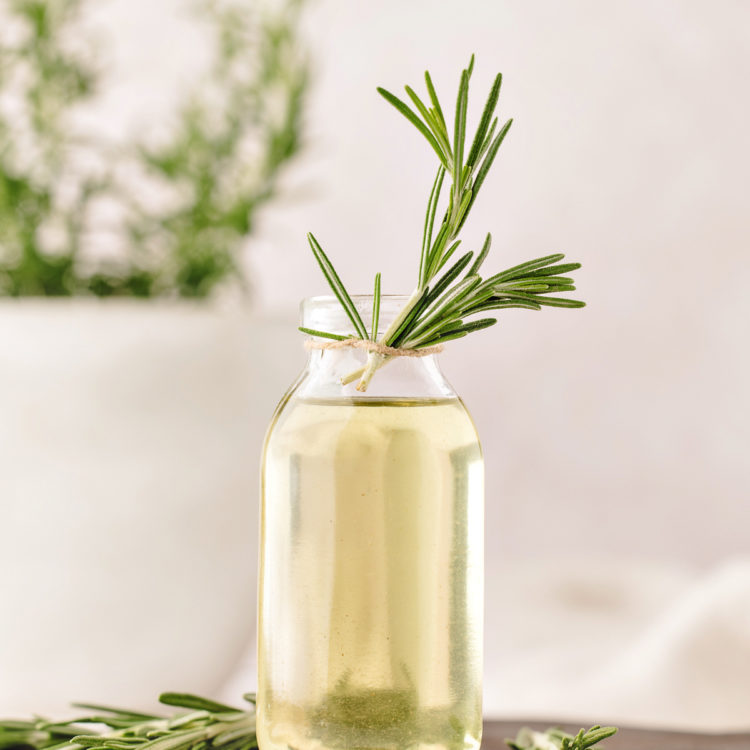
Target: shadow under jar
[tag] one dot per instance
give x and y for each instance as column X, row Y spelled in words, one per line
column 371, row 555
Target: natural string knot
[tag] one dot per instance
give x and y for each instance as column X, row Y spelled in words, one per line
column 373, row 346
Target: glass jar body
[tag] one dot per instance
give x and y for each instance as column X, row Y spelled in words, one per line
column 371, row 561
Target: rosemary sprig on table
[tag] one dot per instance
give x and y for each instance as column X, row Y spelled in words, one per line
column 447, row 295
column 206, row 724
column 556, row 739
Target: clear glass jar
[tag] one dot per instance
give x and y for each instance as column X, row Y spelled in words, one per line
column 371, row 556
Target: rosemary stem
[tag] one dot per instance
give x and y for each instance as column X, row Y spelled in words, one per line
column 352, row 376
column 374, row 360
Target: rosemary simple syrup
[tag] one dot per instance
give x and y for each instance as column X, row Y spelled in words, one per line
column 370, row 622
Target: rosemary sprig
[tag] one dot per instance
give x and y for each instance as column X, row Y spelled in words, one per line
column 556, row 739
column 206, row 724
column 438, row 309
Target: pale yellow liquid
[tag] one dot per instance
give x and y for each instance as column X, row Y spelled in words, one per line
column 370, row 629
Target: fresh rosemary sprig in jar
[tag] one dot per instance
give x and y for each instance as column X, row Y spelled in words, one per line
column 447, row 299
column 206, row 724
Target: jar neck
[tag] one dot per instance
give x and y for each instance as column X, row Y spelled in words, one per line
column 325, row 313
column 334, row 372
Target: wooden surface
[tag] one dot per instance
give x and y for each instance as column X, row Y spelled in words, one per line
column 495, row 733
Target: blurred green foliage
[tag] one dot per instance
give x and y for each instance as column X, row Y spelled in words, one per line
column 219, row 162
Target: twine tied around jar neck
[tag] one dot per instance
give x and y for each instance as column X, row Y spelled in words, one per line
column 373, row 346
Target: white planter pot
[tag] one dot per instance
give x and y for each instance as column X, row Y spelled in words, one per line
column 130, row 435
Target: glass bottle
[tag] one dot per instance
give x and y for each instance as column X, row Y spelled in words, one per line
column 371, row 555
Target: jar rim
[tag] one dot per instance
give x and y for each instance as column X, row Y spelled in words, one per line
column 325, row 313
column 325, row 298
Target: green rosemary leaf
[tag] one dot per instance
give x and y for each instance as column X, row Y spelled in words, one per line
column 459, row 134
column 88, row 740
column 446, row 302
column 431, row 330
column 433, row 257
column 337, row 286
column 544, row 300
column 441, row 134
column 242, row 743
column 474, row 325
column 561, row 288
column 484, row 123
column 419, row 104
column 228, row 717
column 175, row 740
column 182, row 721
column 502, row 304
column 521, row 285
column 133, row 715
column 460, row 292
column 429, row 221
column 551, row 280
column 323, row 334
column 487, row 141
column 17, row 725
column 64, row 727
column 477, row 264
column 485, row 166
column 478, row 296
column 409, row 114
column 446, row 256
column 554, row 270
column 463, row 207
column 441, row 310
column 396, row 338
column 597, row 734
column 116, row 722
column 433, row 96
column 230, row 736
column 188, row 700
column 449, row 277
column 459, row 331
column 433, row 121
column 522, row 269
column 375, row 309
column 441, row 339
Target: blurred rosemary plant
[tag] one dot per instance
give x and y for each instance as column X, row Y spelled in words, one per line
column 65, row 194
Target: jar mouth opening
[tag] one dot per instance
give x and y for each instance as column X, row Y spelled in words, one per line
column 325, row 299
column 325, row 313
